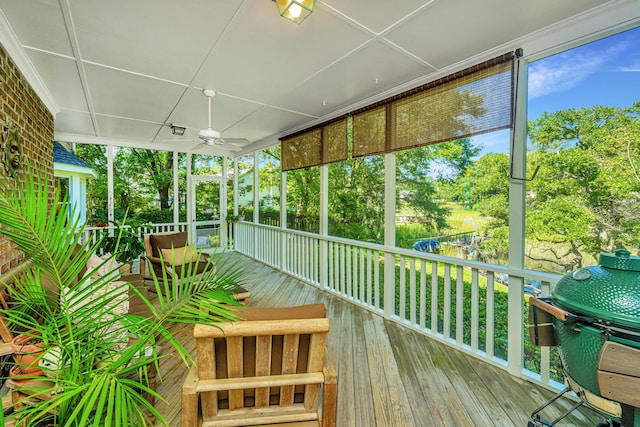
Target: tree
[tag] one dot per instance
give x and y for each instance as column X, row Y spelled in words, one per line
column 484, row 187
column 356, row 199
column 586, row 198
column 422, row 171
column 303, row 199
column 151, row 170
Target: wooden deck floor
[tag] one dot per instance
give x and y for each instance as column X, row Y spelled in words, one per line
column 389, row 375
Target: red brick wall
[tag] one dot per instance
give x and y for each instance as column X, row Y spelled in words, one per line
column 20, row 106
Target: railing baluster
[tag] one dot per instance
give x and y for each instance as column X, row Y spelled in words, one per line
column 347, row 273
column 369, row 280
column 412, row 291
column 475, row 309
column 490, row 334
column 434, row 297
column 376, row 278
column 361, row 281
column 446, row 330
column 402, row 304
column 545, row 366
column 355, row 290
column 459, row 305
column 423, row 293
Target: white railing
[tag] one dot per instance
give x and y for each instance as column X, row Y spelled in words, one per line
column 93, row 234
column 459, row 302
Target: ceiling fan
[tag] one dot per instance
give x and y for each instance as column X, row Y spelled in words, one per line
column 210, row 136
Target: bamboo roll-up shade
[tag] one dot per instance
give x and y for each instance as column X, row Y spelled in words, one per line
column 476, row 103
column 476, row 100
column 302, row 150
column 334, row 142
column 369, row 132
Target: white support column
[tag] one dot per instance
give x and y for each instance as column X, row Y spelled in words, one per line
column 517, row 193
column 110, row 185
column 256, row 186
column 223, row 203
column 176, row 190
column 324, row 226
column 283, row 221
column 235, row 186
column 389, row 232
column 190, row 196
column 256, row 199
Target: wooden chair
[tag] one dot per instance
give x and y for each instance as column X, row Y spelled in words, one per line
column 270, row 369
column 154, row 245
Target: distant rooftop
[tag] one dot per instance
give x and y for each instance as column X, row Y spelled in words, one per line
column 61, row 155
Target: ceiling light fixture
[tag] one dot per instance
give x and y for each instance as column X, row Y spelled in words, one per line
column 178, row 130
column 295, row 10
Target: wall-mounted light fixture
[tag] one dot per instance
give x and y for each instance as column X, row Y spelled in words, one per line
column 178, row 130
column 295, row 10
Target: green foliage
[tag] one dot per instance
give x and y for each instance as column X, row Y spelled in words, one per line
column 356, row 199
column 99, row 383
column 125, row 243
column 303, row 199
column 156, row 216
column 584, row 200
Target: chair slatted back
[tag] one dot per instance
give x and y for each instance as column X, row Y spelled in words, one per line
column 252, row 371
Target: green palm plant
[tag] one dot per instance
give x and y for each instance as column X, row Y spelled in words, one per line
column 97, row 383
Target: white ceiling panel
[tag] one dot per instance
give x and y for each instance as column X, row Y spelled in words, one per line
column 65, row 84
column 74, row 122
column 450, row 31
column 262, row 55
column 376, row 15
column 165, row 39
column 264, row 123
column 38, row 23
column 226, row 111
column 129, row 95
column 127, row 129
column 372, row 70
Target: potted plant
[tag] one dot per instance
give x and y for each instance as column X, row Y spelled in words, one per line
column 27, row 349
column 125, row 244
column 232, row 219
column 96, row 382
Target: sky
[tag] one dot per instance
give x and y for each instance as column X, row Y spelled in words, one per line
column 605, row 72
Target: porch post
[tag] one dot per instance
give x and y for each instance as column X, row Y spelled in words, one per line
column 190, row 213
column 176, row 192
column 256, row 199
column 324, row 227
column 110, row 188
column 235, row 186
column 389, row 234
column 517, row 193
column 223, row 205
column 233, row 227
column 284, row 250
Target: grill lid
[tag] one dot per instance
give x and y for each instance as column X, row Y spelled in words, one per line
column 609, row 291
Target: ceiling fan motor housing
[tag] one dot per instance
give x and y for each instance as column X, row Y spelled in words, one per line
column 208, row 134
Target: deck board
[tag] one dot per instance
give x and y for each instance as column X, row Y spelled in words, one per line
column 388, row 375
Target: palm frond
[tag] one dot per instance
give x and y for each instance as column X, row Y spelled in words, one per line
column 97, row 382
